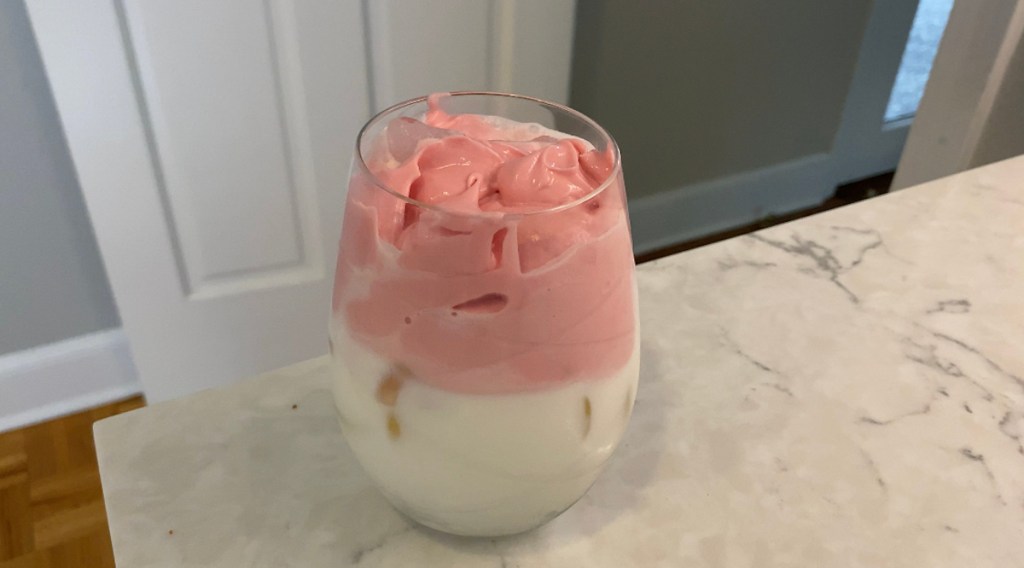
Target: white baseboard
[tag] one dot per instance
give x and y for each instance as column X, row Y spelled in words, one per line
column 674, row 216
column 65, row 377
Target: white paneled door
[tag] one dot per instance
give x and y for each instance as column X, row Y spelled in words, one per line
column 212, row 141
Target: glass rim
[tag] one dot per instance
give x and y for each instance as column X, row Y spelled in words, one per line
column 607, row 182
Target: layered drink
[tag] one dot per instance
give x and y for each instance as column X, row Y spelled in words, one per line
column 484, row 325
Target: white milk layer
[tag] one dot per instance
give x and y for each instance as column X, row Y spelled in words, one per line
column 481, row 465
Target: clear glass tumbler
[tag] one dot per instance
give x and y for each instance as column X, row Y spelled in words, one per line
column 484, row 322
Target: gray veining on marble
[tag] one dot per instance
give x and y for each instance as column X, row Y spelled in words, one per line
column 844, row 390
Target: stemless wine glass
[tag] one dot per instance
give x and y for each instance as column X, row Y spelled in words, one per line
column 485, row 356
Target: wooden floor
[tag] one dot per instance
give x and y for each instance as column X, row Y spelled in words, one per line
column 51, row 502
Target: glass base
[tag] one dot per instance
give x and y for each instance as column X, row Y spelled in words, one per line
column 470, row 530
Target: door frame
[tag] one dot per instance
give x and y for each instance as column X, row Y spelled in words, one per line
column 970, row 114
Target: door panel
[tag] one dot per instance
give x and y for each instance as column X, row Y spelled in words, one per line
column 222, row 118
column 212, row 142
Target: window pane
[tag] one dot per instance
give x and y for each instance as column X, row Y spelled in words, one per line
column 925, row 33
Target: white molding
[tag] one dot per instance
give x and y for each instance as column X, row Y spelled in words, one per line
column 671, row 217
column 61, row 378
column 530, row 47
column 502, row 46
column 380, row 61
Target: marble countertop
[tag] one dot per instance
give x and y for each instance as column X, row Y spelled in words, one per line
column 844, row 390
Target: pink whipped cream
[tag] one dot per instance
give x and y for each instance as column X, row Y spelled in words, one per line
column 500, row 275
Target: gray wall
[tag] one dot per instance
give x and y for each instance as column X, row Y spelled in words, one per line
column 694, row 90
column 52, row 284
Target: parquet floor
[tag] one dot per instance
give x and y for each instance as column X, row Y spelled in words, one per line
column 51, row 502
